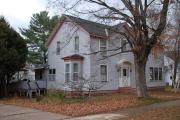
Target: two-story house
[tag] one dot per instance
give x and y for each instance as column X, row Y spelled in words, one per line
column 76, row 47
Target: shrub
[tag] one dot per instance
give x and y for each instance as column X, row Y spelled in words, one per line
column 168, row 88
column 57, row 95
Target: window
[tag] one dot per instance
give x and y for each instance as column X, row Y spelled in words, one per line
column 72, row 71
column 75, row 72
column 160, row 73
column 123, row 45
column 124, row 72
column 103, row 47
column 67, row 73
column 58, row 48
column 103, row 72
column 76, row 44
column 151, row 74
column 52, row 74
column 155, row 74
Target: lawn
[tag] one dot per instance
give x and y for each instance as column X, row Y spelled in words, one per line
column 56, row 102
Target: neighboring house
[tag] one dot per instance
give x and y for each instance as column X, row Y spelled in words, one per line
column 31, row 79
column 169, row 59
column 26, row 73
column 69, row 47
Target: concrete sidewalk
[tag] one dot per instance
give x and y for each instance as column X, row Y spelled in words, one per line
column 11, row 112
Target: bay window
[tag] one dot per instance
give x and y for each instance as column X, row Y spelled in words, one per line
column 75, row 72
column 67, row 73
column 72, row 71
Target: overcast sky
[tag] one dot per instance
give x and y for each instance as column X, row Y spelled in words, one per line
column 19, row 12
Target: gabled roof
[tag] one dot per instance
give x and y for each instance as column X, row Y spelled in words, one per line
column 171, row 54
column 93, row 28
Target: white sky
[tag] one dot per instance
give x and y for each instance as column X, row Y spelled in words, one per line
column 19, row 12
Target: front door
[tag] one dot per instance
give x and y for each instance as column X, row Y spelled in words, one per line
column 124, row 76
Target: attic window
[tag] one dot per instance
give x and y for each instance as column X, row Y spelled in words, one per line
column 76, row 44
column 58, row 48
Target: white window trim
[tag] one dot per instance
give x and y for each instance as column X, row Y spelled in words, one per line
column 100, row 71
column 106, row 45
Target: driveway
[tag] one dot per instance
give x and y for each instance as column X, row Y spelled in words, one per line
column 11, row 112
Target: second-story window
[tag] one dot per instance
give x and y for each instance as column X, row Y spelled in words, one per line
column 58, row 48
column 76, row 44
column 103, row 47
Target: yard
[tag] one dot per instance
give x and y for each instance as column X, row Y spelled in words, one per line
column 56, row 102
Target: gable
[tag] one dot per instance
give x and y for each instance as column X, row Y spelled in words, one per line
column 63, row 20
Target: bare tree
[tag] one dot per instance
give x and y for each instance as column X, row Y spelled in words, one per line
column 85, row 85
column 140, row 36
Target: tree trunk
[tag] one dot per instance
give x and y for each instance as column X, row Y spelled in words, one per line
column 140, row 77
column 4, row 88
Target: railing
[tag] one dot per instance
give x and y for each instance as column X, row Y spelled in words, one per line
column 29, row 87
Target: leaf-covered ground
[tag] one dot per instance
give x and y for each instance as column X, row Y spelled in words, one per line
column 78, row 107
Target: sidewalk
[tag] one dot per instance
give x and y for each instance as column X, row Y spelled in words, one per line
column 11, row 112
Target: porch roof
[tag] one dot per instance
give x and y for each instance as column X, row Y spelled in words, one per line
column 73, row 57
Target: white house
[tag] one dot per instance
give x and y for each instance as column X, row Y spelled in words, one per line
column 70, row 48
column 169, row 59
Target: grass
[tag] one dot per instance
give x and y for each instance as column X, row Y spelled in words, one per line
column 149, row 100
